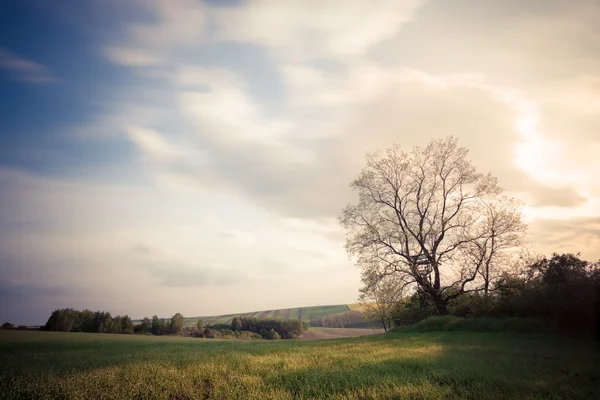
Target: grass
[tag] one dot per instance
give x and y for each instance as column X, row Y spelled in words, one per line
column 308, row 313
column 434, row 365
column 452, row 323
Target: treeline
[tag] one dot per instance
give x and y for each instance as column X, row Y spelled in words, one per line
column 252, row 328
column 348, row 319
column 70, row 320
column 159, row 326
column 7, row 326
column 563, row 291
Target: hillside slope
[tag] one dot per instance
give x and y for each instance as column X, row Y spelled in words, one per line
column 303, row 313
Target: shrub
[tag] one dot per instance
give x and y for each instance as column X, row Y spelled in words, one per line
column 212, row 334
column 199, row 333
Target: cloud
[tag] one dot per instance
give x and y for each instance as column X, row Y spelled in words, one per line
column 308, row 30
column 580, row 234
column 20, row 302
column 563, row 196
column 25, row 70
column 131, row 57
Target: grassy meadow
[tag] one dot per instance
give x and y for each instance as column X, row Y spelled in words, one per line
column 455, row 365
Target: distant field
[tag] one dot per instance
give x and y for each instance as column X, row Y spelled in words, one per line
column 432, row 365
column 304, row 313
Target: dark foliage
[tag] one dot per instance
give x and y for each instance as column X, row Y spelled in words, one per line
column 7, row 325
column 563, row 291
column 236, row 324
column 70, row 320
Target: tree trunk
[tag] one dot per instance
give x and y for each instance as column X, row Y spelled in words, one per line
column 441, row 306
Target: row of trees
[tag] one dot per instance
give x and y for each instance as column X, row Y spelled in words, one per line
column 252, row 328
column 431, row 234
column 348, row 319
column 160, row 326
column 70, row 320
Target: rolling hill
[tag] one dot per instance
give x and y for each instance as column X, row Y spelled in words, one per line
column 303, row 313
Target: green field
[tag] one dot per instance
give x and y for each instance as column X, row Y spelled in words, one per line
column 307, row 314
column 457, row 365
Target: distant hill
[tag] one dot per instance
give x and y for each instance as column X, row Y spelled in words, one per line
column 303, row 313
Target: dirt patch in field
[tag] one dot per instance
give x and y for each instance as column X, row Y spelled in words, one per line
column 337, row 333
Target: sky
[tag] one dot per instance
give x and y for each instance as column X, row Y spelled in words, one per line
column 193, row 156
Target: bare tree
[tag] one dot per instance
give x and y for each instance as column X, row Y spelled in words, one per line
column 501, row 233
column 419, row 215
column 379, row 296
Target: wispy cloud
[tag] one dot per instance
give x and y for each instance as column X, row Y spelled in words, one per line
column 25, row 70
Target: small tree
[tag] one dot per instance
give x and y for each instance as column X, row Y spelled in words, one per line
column 200, row 324
column 177, row 323
column 379, row 296
column 7, row 325
column 144, row 327
column 126, row 325
column 236, row 324
column 158, row 325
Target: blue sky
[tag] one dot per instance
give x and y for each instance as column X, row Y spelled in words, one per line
column 190, row 149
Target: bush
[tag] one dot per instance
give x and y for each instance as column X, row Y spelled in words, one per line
column 256, row 336
column 212, row 334
column 199, row 333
